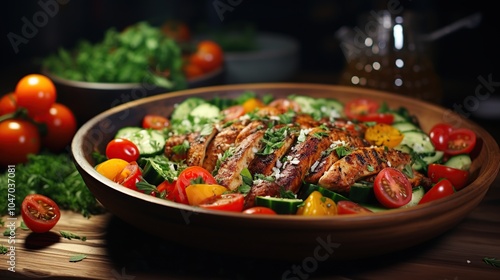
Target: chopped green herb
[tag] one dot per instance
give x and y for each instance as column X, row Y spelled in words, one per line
column 3, row 250
column 492, row 261
column 23, row 226
column 70, row 235
column 342, row 151
column 370, row 168
column 181, row 148
column 286, row 193
column 77, row 258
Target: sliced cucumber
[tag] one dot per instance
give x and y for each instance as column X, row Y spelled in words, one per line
column 307, row 104
column 416, row 196
column 462, row 162
column 418, row 141
column 157, row 169
column 405, row 126
column 325, row 192
column 149, row 142
column 205, row 110
column 362, row 192
column 182, row 111
column 434, row 157
column 398, row 118
column 375, row 207
column 279, row 205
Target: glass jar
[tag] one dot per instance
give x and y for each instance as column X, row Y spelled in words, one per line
column 385, row 52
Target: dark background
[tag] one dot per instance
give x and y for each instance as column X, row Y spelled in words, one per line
column 460, row 58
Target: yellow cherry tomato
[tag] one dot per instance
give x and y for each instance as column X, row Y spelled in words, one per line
column 251, row 104
column 317, row 205
column 197, row 193
column 382, row 134
column 111, row 167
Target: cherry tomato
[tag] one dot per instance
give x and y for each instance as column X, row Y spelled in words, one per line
column 259, row 210
column 129, row 176
column 208, row 56
column 167, row 187
column 61, row 127
column 391, row 187
column 439, row 135
column 441, row 189
column 40, row 213
column 123, row 149
column 155, row 122
column 8, row 103
column 177, row 30
column 366, row 110
column 192, row 70
column 233, row 112
column 457, row 177
column 225, row 202
column 36, row 93
column 460, row 141
column 19, row 138
column 351, row 207
column 189, row 176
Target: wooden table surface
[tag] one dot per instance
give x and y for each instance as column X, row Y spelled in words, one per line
column 116, row 250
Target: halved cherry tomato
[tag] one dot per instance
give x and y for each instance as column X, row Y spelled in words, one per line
column 382, row 134
column 351, row 207
column 460, row 141
column 233, row 112
column 167, row 187
column 317, row 205
column 225, row 202
column 259, row 210
column 123, row 149
column 189, row 176
column 157, row 122
column 36, row 93
column 40, row 213
column 439, row 135
column 392, row 188
column 19, row 139
column 208, row 55
column 129, row 176
column 441, row 189
column 366, row 110
column 8, row 103
column 197, row 193
column 457, row 177
column 61, row 127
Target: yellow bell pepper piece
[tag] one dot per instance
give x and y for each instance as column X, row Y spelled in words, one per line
column 111, row 167
column 317, row 205
column 197, row 193
column 382, row 134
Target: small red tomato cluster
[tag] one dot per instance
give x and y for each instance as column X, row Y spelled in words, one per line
column 31, row 119
column 207, row 57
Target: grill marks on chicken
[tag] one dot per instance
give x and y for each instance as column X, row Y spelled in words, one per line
column 198, row 146
column 221, row 143
column 361, row 163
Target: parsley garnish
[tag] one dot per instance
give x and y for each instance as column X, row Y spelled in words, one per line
column 70, row 235
column 287, row 193
column 370, row 168
column 342, row 151
column 181, row 148
column 273, row 139
column 492, row 261
column 77, row 258
column 3, row 250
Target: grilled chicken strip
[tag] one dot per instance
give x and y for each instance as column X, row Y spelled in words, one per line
column 290, row 173
column 229, row 171
column 198, row 143
column 250, row 129
column 361, row 163
column 338, row 138
column 221, row 143
column 173, row 154
column 264, row 163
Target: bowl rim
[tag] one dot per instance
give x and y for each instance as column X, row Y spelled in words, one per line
column 489, row 173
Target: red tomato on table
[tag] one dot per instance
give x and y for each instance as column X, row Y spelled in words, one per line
column 61, row 127
column 40, row 213
column 36, row 93
column 19, row 139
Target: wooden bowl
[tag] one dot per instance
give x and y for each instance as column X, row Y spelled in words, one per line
column 281, row 237
column 87, row 99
